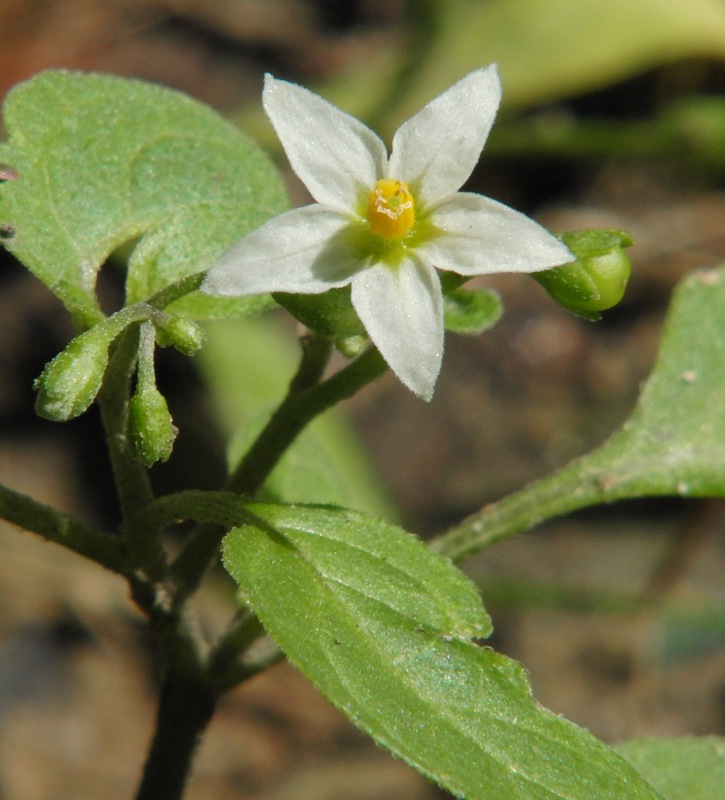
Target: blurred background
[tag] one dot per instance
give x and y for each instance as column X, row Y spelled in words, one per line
column 613, row 116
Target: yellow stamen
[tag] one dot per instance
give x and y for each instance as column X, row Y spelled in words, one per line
column 391, row 210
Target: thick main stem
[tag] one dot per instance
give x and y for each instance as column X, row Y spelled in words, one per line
column 194, row 679
column 185, row 708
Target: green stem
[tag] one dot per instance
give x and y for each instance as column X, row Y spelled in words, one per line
column 176, row 291
column 578, row 485
column 225, row 669
column 200, row 505
column 303, row 403
column 186, row 706
column 194, row 681
column 297, row 410
column 21, row 510
column 132, row 482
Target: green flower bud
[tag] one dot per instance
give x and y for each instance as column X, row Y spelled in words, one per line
column 150, row 427
column 597, row 279
column 70, row 382
column 183, row 334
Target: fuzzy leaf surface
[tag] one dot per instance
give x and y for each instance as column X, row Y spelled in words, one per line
column 103, row 160
column 385, row 630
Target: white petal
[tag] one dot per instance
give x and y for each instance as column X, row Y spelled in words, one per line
column 435, row 151
column 304, row 250
column 402, row 311
column 480, row 236
column 334, row 154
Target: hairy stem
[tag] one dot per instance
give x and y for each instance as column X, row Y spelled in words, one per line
column 298, row 409
column 194, row 679
column 185, row 709
column 132, row 482
column 582, row 483
column 21, row 510
column 305, row 400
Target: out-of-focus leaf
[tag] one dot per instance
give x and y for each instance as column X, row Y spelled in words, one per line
column 680, row 768
column 545, row 49
column 549, row 49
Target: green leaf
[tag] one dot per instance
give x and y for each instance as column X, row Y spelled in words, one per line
column 680, row 768
column 672, row 444
column 548, row 49
column 103, row 160
column 545, row 50
column 384, row 629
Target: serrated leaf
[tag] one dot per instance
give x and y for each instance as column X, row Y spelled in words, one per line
column 681, row 768
column 384, row 629
column 102, row 160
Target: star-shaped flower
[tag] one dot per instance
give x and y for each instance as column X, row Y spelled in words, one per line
column 383, row 225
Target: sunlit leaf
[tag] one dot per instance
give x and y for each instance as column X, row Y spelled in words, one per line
column 102, row 160
column 386, row 631
column 672, row 444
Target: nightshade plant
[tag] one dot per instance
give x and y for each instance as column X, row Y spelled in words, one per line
column 386, row 627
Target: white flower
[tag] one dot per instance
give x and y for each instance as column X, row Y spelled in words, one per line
column 383, row 225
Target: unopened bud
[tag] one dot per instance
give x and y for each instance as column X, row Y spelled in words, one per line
column 70, row 382
column 150, row 427
column 179, row 332
column 597, row 279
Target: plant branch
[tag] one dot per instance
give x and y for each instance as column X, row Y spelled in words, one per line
column 576, row 486
column 132, row 482
column 297, row 410
column 27, row 513
column 194, row 679
column 176, row 291
column 305, row 400
column 186, row 706
column 225, row 667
